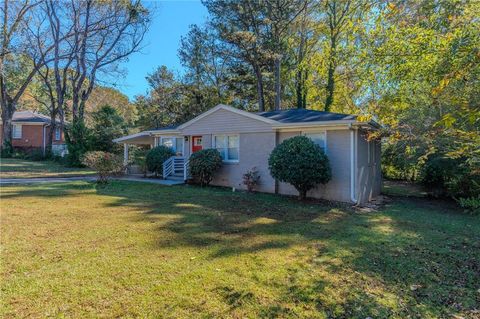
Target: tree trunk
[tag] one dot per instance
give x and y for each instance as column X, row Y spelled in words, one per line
column 305, row 89
column 261, row 98
column 75, row 100
column 81, row 110
column 53, row 125
column 330, row 87
column 331, row 74
column 301, row 88
column 278, row 84
column 302, row 194
column 7, row 115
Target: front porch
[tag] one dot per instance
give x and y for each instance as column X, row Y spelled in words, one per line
column 176, row 168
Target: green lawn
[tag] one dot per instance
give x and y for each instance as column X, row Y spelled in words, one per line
column 17, row 168
column 144, row 250
column 402, row 188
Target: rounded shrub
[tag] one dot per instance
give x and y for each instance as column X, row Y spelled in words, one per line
column 301, row 163
column 104, row 163
column 203, row 165
column 156, row 157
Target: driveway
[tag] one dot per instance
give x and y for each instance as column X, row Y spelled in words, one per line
column 7, row 181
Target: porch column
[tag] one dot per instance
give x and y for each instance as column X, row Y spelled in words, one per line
column 125, row 154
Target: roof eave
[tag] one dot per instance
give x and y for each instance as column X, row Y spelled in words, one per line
column 163, row 132
column 368, row 125
column 131, row 136
column 30, row 122
column 313, row 124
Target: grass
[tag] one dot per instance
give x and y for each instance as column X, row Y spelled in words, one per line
column 143, row 250
column 403, row 188
column 17, row 168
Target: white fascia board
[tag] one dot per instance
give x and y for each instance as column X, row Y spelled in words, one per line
column 371, row 125
column 227, row 108
column 166, row 132
column 145, row 133
column 128, row 137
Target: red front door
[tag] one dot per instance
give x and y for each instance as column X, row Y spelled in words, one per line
column 196, row 143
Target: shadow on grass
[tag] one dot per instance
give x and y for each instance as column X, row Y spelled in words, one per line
column 424, row 255
column 425, row 259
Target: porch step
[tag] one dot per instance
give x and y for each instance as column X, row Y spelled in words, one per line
column 173, row 168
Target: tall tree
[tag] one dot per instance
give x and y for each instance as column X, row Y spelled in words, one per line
column 201, row 53
column 241, row 24
column 304, row 38
column 55, row 64
column 19, row 62
column 107, row 124
column 107, row 33
column 102, row 95
column 280, row 16
column 339, row 14
column 164, row 103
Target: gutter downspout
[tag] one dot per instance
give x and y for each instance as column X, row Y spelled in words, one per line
column 353, row 163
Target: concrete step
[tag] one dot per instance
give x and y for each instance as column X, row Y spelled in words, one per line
column 175, row 178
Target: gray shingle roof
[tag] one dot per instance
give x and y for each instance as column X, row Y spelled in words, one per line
column 168, row 127
column 29, row 116
column 303, row 115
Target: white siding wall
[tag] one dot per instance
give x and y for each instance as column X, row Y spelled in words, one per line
column 223, row 121
column 255, row 148
column 257, row 140
column 338, row 152
column 368, row 168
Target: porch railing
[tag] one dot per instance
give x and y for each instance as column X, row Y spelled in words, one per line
column 168, row 167
column 186, row 170
column 175, row 165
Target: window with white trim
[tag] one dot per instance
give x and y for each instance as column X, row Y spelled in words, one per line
column 175, row 143
column 319, row 138
column 57, row 134
column 168, row 142
column 228, row 146
column 17, row 131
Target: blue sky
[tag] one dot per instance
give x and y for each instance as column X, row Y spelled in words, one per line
column 170, row 22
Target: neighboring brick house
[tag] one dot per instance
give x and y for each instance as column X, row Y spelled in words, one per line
column 30, row 131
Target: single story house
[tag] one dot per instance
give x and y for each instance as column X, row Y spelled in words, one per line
column 245, row 140
column 30, row 131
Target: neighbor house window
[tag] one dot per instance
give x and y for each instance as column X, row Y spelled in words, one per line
column 17, row 131
column 57, row 134
column 319, row 138
column 228, row 146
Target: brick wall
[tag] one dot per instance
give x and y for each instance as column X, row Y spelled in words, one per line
column 32, row 136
